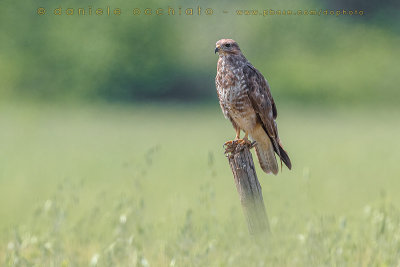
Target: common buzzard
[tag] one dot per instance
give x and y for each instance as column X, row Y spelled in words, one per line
column 246, row 100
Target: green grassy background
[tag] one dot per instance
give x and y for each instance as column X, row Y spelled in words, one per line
column 111, row 136
column 69, row 174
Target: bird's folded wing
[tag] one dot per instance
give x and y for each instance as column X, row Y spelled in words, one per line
column 262, row 102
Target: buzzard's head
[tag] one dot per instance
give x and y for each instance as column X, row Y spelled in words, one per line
column 227, row 46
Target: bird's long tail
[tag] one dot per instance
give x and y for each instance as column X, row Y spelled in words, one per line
column 265, row 151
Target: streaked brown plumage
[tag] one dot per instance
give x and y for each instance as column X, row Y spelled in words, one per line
column 246, row 100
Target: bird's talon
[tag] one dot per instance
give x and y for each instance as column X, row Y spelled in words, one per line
column 229, row 143
column 235, row 146
column 232, row 146
column 245, row 141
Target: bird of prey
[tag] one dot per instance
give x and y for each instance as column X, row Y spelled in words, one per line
column 246, row 100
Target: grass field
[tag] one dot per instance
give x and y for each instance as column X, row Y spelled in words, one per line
column 109, row 185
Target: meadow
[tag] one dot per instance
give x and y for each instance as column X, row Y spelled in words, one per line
column 149, row 185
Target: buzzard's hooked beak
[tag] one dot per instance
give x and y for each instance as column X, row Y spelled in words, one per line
column 216, row 50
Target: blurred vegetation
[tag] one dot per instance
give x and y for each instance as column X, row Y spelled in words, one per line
column 134, row 58
column 145, row 186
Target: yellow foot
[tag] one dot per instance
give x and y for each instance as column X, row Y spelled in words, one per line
column 244, row 141
column 231, row 142
column 237, row 145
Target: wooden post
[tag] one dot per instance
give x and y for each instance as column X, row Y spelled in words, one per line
column 248, row 187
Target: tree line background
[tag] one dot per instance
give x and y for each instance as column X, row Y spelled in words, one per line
column 139, row 58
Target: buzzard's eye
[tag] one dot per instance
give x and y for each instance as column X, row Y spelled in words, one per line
column 228, row 45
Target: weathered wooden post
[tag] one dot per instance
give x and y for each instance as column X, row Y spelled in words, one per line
column 248, row 187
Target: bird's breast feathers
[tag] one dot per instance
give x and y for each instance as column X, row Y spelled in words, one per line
column 232, row 92
column 236, row 105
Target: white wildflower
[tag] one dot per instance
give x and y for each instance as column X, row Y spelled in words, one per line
column 144, row 262
column 367, row 210
column 47, row 205
column 48, row 245
column 172, row 263
column 301, row 238
column 10, row 245
column 94, row 260
column 122, row 219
